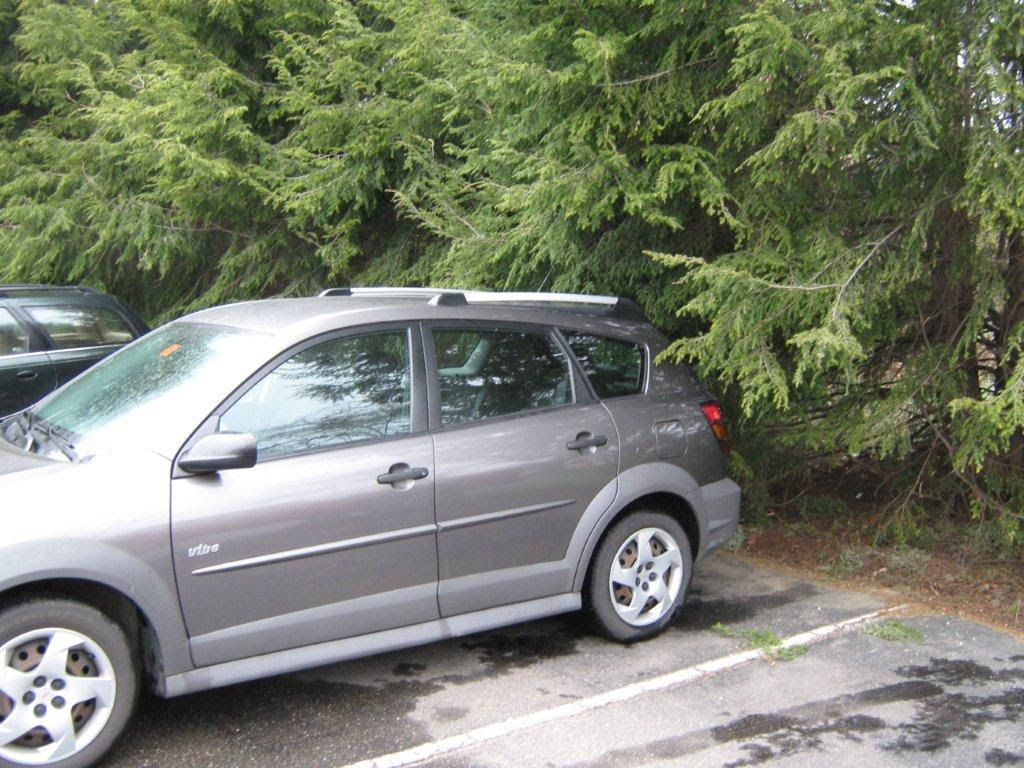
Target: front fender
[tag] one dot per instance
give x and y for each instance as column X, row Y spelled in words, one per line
column 25, row 563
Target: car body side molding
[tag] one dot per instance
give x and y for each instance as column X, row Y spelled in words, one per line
column 504, row 514
column 317, row 549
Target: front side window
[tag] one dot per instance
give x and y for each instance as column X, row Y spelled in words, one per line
column 70, row 327
column 341, row 391
column 13, row 337
column 488, row 373
column 613, row 367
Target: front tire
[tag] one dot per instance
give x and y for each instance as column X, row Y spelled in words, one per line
column 69, row 683
column 639, row 576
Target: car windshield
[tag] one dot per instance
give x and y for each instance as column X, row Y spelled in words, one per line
column 156, row 390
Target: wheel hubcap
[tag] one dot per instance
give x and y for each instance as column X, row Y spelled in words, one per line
column 57, row 690
column 646, row 576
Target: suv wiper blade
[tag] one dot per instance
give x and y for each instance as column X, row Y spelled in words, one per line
column 27, row 439
column 7, row 430
column 65, row 445
column 35, row 428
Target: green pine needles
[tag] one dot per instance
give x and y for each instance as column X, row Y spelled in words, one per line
column 822, row 204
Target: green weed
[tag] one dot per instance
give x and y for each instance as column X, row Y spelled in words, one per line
column 763, row 640
column 896, row 631
column 846, row 563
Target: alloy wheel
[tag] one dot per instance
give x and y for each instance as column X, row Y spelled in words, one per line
column 646, row 576
column 57, row 691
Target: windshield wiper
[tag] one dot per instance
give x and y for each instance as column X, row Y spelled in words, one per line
column 33, row 428
column 65, row 445
column 24, row 422
column 7, row 430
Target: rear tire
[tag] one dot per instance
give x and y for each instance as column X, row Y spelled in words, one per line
column 69, row 683
column 638, row 576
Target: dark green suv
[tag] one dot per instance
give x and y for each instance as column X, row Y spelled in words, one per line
column 50, row 334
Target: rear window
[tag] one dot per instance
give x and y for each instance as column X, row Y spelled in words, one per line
column 614, row 367
column 70, row 327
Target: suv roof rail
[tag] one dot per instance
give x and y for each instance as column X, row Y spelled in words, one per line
column 614, row 306
column 9, row 290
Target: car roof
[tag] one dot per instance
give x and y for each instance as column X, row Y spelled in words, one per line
column 26, row 296
column 299, row 318
column 24, row 292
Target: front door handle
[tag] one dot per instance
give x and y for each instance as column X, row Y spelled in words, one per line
column 401, row 473
column 581, row 443
column 26, row 375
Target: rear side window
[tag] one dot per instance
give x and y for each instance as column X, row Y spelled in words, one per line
column 70, row 327
column 488, row 373
column 13, row 337
column 613, row 367
column 341, row 391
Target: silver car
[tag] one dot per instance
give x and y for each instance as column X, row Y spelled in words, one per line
column 265, row 487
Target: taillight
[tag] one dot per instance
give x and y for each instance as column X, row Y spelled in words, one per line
column 716, row 419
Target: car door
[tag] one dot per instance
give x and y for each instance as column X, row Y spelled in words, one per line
column 520, row 452
column 26, row 373
column 332, row 533
column 80, row 335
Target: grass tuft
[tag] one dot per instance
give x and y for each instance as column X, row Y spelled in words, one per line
column 846, row 563
column 896, row 632
column 763, row 640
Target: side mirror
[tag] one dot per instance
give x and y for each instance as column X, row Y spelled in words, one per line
column 221, row 450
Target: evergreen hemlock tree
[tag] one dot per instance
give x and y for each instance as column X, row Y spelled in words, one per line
column 240, row 148
column 843, row 182
column 874, row 301
column 534, row 144
column 138, row 152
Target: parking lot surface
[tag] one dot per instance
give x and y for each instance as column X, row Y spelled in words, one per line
column 956, row 697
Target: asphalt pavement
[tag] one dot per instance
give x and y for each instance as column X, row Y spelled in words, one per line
column 549, row 693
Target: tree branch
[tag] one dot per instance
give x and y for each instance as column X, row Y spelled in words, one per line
column 856, row 270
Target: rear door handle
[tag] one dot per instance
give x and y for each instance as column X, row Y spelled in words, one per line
column 406, row 475
column 26, row 375
column 582, row 443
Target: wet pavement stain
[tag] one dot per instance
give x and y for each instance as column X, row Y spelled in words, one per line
column 940, row 718
column 1002, row 757
column 450, row 714
column 958, row 715
column 772, row 735
column 959, row 672
column 699, row 613
column 408, row 669
column 501, row 652
column 268, row 722
column 803, row 737
column 805, row 727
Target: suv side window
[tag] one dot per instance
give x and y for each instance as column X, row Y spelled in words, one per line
column 485, row 373
column 341, row 391
column 70, row 327
column 13, row 336
column 613, row 367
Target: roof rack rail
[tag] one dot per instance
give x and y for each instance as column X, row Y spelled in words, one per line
column 8, row 290
column 622, row 308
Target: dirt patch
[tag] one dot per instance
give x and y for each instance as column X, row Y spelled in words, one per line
column 948, row 577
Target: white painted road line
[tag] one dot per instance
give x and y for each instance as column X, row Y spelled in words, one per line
column 484, row 733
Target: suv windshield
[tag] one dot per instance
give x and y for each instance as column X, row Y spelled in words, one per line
column 155, row 391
